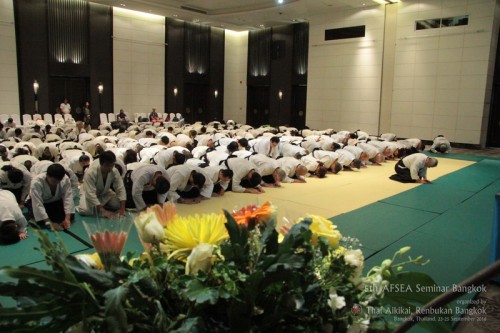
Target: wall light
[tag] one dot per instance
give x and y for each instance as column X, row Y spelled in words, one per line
column 280, row 94
column 35, row 86
column 175, row 91
column 100, row 88
column 216, row 93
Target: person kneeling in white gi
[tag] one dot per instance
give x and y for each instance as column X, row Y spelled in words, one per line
column 96, row 195
column 13, row 225
column 146, row 185
column 52, row 198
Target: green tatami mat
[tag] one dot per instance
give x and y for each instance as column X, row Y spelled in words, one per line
column 380, row 224
column 23, row 252
column 458, row 156
column 470, row 222
column 451, row 261
column 474, row 177
column 430, row 198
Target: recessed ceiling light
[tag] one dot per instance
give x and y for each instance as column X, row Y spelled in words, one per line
column 280, row 2
column 175, row 15
column 123, row 5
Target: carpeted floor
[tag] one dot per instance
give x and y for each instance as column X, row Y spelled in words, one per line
column 448, row 221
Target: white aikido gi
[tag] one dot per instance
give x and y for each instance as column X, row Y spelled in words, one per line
column 146, row 155
column 178, row 176
column 222, row 143
column 291, row 150
column 41, row 194
column 310, row 162
column 242, row 153
column 438, row 141
column 263, row 146
column 10, row 211
column 183, row 140
column 325, row 157
column 21, row 159
column 199, row 151
column 141, row 180
column 71, row 160
column 165, row 157
column 148, row 142
column 356, row 151
column 310, row 145
column 52, row 147
column 97, row 192
column 370, row 151
column 119, row 152
column 214, row 157
column 128, row 143
column 345, row 157
column 213, row 174
column 24, row 184
column 264, row 165
column 417, row 165
column 240, row 167
column 63, row 146
column 289, row 165
column 41, row 167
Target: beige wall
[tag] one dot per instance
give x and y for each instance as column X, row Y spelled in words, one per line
column 9, row 89
column 235, row 75
column 441, row 74
column 138, row 61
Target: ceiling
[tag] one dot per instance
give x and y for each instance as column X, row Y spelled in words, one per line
column 238, row 15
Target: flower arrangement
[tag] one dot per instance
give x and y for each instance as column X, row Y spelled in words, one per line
column 229, row 272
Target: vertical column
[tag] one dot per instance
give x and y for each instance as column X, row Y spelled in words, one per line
column 388, row 59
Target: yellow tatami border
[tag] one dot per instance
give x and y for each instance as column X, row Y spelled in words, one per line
column 328, row 197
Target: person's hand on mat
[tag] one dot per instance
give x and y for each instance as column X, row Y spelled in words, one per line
column 66, row 223
column 121, row 211
column 23, row 235
column 56, row 226
column 423, row 181
column 108, row 214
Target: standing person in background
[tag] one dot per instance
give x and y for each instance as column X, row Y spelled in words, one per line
column 65, row 107
column 86, row 115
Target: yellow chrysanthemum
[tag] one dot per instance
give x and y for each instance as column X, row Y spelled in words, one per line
column 184, row 233
column 325, row 228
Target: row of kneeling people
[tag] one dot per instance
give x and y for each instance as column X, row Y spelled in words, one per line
column 151, row 168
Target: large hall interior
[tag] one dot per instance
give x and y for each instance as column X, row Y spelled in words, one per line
column 416, row 68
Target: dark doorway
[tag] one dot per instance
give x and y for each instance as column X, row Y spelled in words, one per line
column 493, row 135
column 494, row 123
column 75, row 89
column 298, row 116
column 258, row 106
column 196, row 103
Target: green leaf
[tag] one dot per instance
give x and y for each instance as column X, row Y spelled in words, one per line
column 197, row 292
column 190, row 325
column 116, row 317
column 237, row 235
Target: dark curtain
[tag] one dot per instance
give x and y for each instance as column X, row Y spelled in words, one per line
column 68, row 30
column 301, row 48
column 196, row 48
column 259, row 52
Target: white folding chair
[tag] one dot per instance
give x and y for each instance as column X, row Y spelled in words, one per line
column 26, row 119
column 111, row 117
column 37, row 116
column 67, row 116
column 47, row 117
column 103, row 118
